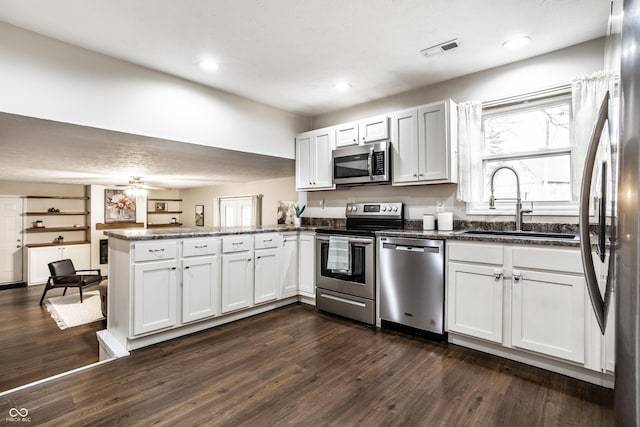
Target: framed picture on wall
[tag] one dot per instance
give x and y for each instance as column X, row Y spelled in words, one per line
column 118, row 207
column 161, row 206
column 200, row 215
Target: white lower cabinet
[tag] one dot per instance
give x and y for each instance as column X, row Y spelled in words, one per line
column 474, row 302
column 306, row 265
column 525, row 302
column 548, row 314
column 154, row 295
column 237, row 281
column 267, row 283
column 200, row 287
column 38, row 259
column 289, row 266
column 165, row 288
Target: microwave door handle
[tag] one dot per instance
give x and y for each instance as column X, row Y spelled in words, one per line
column 369, row 163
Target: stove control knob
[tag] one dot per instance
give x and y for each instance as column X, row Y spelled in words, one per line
column 349, row 208
column 354, row 208
column 384, row 209
column 395, row 209
column 389, row 208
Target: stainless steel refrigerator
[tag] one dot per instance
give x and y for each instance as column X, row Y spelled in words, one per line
column 627, row 380
column 619, row 218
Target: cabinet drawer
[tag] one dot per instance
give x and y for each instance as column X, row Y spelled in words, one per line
column 565, row 260
column 237, row 244
column 475, row 252
column 154, row 251
column 199, row 247
column 267, row 240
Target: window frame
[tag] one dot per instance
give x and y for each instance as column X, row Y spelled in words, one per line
column 238, row 202
column 529, row 102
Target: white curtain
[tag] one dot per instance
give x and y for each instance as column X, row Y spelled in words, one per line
column 256, row 206
column 586, row 96
column 469, row 151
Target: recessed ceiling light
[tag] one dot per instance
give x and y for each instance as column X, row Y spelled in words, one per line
column 209, row 65
column 516, row 42
column 342, row 86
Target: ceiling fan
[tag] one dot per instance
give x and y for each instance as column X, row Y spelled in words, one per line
column 137, row 187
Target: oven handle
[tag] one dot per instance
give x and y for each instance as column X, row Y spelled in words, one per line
column 369, row 163
column 359, row 241
column 343, row 300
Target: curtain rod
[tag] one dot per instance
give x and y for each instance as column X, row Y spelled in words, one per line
column 260, row 196
column 539, row 94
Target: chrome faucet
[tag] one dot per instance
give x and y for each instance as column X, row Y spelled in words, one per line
column 519, row 210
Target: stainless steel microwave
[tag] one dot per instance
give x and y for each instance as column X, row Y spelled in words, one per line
column 362, row 164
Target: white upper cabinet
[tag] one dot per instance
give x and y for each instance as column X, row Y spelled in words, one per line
column 347, row 134
column 373, row 129
column 362, row 131
column 404, row 140
column 424, row 143
column 313, row 160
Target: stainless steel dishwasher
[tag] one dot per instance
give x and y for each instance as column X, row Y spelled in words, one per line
column 411, row 275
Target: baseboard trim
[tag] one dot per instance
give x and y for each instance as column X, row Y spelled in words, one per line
column 13, row 285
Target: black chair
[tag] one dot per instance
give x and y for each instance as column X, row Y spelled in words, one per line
column 64, row 275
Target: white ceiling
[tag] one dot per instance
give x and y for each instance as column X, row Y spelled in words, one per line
column 290, row 53
column 39, row 150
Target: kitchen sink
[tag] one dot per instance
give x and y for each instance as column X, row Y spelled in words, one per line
column 527, row 234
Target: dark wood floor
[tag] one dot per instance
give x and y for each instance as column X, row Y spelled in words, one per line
column 32, row 347
column 295, row 366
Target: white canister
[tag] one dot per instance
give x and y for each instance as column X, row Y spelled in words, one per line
column 445, row 221
column 428, row 222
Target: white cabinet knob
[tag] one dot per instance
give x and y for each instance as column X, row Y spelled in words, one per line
column 517, row 275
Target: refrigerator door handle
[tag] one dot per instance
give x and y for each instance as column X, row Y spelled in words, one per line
column 600, row 305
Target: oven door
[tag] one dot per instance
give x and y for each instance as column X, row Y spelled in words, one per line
column 361, row 281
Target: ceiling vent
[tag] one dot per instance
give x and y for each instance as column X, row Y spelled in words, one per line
column 447, row 46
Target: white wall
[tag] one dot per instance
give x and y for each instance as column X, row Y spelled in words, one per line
column 274, row 190
column 44, row 78
column 519, row 77
column 543, row 71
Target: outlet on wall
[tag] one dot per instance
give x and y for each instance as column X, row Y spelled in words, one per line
column 439, row 206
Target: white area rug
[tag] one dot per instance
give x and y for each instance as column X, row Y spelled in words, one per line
column 67, row 310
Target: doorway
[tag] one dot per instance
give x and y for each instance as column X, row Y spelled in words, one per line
column 11, row 239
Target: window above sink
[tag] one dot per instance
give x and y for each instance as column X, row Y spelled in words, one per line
column 532, row 135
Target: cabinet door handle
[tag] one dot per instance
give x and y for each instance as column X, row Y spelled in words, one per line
column 267, row 241
column 186, row 267
column 173, row 268
column 517, row 275
column 248, row 259
column 236, row 243
column 415, row 175
column 497, row 274
column 201, row 246
column 156, row 250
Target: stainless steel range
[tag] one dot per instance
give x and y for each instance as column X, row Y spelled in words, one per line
column 346, row 260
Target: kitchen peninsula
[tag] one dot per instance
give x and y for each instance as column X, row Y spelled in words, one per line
column 165, row 283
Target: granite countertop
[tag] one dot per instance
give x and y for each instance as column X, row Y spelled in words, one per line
column 458, row 235
column 410, row 232
column 187, row 232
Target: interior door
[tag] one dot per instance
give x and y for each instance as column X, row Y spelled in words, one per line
column 11, row 209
